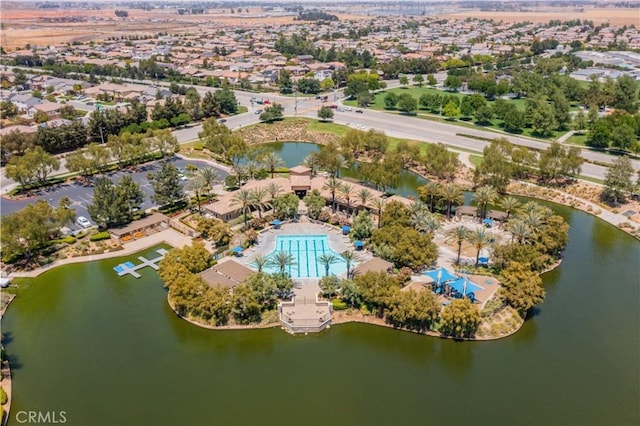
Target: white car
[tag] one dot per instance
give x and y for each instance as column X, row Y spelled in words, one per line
column 83, row 221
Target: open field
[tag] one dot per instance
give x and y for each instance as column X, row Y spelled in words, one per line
column 39, row 27
column 613, row 16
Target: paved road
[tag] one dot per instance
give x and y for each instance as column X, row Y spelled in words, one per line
column 81, row 195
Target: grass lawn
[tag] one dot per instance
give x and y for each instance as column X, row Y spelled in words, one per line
column 241, row 110
column 327, row 127
column 416, row 92
column 577, row 139
column 476, row 159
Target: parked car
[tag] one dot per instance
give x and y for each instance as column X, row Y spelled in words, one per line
column 359, row 111
column 83, row 221
column 222, row 120
column 334, row 106
column 258, row 111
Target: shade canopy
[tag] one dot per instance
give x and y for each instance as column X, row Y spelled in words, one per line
column 440, row 275
column 276, row 222
column 488, row 221
column 238, row 249
column 464, row 286
column 483, row 260
column 358, row 244
column 346, row 228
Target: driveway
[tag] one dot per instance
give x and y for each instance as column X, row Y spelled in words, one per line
column 81, row 195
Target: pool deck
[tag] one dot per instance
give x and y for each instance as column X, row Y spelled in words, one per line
column 267, row 240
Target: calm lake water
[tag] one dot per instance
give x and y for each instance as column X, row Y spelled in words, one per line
column 109, row 351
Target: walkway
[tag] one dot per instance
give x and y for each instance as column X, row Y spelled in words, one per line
column 168, row 236
column 305, row 314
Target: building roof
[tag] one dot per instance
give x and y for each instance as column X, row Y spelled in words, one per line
column 374, row 264
column 300, row 182
column 226, row 274
column 300, row 170
column 143, row 223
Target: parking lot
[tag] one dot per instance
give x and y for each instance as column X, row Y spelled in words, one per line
column 81, row 195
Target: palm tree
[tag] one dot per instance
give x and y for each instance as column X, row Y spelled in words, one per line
column 252, row 167
column 272, row 161
column 245, row 199
column 533, row 220
column 485, row 195
column 327, row 259
column 429, row 192
column 509, row 204
column 479, row 238
column 274, row 190
column 364, row 196
column 332, row 185
column 340, row 163
column 311, row 161
column 452, row 194
column 378, row 204
column 349, row 258
column 418, row 207
column 458, row 235
column 196, row 185
column 346, row 191
column 259, row 262
column 423, row 221
column 209, row 175
column 520, row 231
column 260, row 195
column 281, row 260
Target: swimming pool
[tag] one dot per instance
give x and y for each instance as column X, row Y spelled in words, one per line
column 305, row 250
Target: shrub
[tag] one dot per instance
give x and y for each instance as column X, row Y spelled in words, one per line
column 198, row 147
column 100, row 236
column 3, row 396
column 339, row 305
column 68, row 240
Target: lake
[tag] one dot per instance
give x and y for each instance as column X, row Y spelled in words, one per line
column 108, row 350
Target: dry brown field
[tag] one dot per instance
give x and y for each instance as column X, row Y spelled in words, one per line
column 22, row 25
column 613, row 16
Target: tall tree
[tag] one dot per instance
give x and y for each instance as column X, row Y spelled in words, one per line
column 243, row 198
column 458, row 235
column 166, row 185
column 479, row 239
column 272, row 161
column 618, row 179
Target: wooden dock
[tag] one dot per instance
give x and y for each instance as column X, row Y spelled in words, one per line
column 126, row 268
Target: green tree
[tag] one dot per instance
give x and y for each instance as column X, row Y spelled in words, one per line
column 243, row 198
column 521, row 287
column 600, row 134
column 219, row 140
column 28, row 231
column 330, row 286
column 626, row 94
column 314, row 202
column 558, row 161
column 579, row 124
column 453, row 82
column 496, row 168
column 404, row 80
column 390, row 100
column 418, row 79
column 459, row 319
column 325, row 113
column 377, row 290
column 286, row 206
column 114, row 204
column 164, row 142
column 34, row 165
column 413, row 310
column 245, row 306
column 272, row 113
column 509, row 204
column 452, row 195
column 214, row 230
column 166, row 185
column 407, row 103
column 431, row 80
column 404, row 246
column 618, row 179
column 451, row 110
column 349, row 258
column 362, row 226
column 484, row 115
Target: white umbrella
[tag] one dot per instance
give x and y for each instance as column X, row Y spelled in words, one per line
column 439, row 275
column 464, row 288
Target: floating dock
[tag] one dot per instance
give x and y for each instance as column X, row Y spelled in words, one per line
column 129, row 267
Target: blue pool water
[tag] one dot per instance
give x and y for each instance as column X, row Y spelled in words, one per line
column 118, row 268
column 305, row 250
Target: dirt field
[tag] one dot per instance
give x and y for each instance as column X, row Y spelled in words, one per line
column 23, row 25
column 598, row 16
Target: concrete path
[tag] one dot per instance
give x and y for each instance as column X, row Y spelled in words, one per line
column 566, row 136
column 168, row 236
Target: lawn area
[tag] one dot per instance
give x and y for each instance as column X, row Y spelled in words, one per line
column 327, row 127
column 416, row 92
column 476, row 159
column 577, row 139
